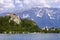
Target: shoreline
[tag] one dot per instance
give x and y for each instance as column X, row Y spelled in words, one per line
column 29, row 33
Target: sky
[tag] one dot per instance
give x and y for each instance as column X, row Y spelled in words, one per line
column 27, row 4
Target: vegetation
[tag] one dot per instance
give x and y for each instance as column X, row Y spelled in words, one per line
column 51, row 30
column 25, row 26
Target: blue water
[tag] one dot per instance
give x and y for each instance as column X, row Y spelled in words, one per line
column 40, row 36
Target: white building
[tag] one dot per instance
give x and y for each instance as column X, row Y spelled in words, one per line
column 45, row 28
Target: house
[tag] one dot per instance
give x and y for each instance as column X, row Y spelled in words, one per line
column 53, row 29
column 45, row 28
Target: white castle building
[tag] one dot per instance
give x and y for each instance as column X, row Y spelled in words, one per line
column 45, row 28
column 14, row 18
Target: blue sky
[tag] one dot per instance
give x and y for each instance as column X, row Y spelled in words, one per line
column 27, row 4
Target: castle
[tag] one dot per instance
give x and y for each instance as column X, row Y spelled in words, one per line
column 14, row 18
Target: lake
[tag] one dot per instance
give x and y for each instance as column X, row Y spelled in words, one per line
column 41, row 36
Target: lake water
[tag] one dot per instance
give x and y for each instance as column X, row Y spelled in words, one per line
column 41, row 36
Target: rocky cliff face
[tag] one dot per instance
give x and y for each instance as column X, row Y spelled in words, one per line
column 14, row 18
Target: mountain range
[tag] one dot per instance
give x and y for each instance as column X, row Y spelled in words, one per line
column 42, row 16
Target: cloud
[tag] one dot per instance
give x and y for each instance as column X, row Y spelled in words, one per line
column 18, row 3
column 26, row 1
column 1, row 2
column 53, row 3
column 1, row 9
column 6, row 4
column 40, row 3
column 58, row 6
column 28, row 4
column 9, row 6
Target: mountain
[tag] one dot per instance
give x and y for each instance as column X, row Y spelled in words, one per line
column 42, row 16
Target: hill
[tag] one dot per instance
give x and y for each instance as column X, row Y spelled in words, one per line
column 24, row 26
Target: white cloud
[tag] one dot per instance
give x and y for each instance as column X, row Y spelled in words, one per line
column 26, row 1
column 17, row 1
column 9, row 6
column 53, row 3
column 38, row 1
column 56, row 0
column 58, row 6
column 6, row 4
column 1, row 1
column 1, row 9
column 41, row 3
column 27, row 4
column 47, row 5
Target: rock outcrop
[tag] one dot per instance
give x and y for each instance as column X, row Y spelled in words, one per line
column 14, row 18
